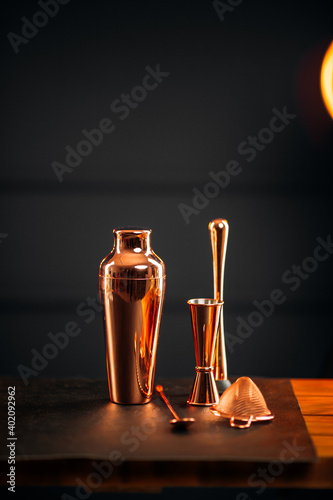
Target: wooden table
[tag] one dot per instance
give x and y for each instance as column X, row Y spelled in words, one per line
column 315, row 397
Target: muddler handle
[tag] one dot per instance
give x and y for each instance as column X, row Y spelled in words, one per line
column 219, row 230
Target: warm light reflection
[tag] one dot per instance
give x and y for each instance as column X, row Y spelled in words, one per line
column 326, row 79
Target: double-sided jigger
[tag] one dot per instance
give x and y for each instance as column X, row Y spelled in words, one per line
column 219, row 231
column 205, row 315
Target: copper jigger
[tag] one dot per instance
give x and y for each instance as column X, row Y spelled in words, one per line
column 219, row 230
column 205, row 315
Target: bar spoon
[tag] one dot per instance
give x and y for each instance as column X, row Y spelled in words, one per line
column 177, row 422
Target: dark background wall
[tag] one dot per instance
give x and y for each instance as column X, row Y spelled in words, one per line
column 224, row 79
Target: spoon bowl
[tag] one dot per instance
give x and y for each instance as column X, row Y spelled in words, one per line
column 181, row 423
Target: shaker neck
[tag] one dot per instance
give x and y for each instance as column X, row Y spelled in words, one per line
column 136, row 240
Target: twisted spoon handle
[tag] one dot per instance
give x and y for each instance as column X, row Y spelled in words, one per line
column 159, row 389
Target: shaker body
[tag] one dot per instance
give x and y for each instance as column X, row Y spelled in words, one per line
column 132, row 287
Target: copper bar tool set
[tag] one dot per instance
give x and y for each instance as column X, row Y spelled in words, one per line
column 132, row 288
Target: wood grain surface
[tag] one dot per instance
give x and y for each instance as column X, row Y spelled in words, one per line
column 315, row 397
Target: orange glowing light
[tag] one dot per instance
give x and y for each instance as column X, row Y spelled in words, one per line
column 326, row 79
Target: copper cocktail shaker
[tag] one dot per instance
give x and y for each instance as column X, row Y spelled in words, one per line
column 132, row 285
column 219, row 231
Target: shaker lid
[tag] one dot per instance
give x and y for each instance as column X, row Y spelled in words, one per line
column 132, row 257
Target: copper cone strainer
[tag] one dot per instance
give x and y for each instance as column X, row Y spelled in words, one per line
column 243, row 403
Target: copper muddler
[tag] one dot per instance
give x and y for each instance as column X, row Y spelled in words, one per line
column 219, row 230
